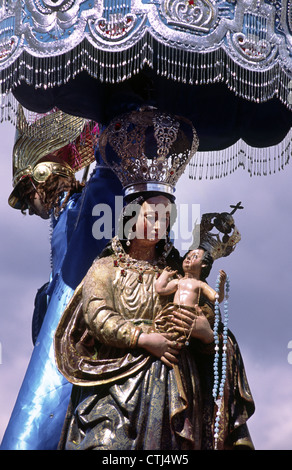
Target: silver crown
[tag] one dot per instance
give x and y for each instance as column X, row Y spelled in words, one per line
column 148, row 150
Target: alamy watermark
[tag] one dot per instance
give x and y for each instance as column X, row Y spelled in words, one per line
column 156, row 218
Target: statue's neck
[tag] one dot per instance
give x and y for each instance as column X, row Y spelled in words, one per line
column 142, row 251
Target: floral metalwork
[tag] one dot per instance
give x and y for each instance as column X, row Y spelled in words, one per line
column 193, row 41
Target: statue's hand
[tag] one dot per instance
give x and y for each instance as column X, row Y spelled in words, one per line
column 160, row 346
column 193, row 325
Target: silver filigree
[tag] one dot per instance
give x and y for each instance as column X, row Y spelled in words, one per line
column 196, row 15
column 142, row 142
column 193, row 41
column 165, row 131
column 7, row 48
column 44, row 15
column 255, row 41
column 47, row 7
column 116, row 27
column 252, row 47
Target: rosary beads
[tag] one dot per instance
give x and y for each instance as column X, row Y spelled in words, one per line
column 219, row 381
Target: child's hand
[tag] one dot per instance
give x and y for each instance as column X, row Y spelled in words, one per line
column 170, row 272
column 222, row 277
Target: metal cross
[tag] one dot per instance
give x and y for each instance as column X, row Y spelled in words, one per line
column 238, row 206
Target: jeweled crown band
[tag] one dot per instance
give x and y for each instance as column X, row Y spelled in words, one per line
column 149, row 187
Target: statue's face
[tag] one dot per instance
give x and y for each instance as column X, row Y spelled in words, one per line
column 193, row 261
column 36, row 207
column 153, row 219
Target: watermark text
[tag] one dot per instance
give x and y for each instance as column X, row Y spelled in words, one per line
column 147, row 221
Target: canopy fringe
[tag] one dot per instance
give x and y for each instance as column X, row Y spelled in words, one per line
column 257, row 161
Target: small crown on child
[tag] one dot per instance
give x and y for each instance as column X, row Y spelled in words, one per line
column 221, row 243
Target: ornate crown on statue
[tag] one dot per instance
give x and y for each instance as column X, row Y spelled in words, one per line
column 217, row 233
column 148, row 150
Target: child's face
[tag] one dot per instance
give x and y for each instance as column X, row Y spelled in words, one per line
column 193, row 261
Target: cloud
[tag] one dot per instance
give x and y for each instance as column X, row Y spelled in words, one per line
column 271, row 426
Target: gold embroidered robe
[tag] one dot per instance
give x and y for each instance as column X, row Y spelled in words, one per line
column 125, row 399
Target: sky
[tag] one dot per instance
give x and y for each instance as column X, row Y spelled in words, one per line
column 260, row 287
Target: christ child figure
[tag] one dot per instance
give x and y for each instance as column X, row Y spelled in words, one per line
column 188, row 288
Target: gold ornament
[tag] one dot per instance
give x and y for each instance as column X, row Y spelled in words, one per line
column 56, row 143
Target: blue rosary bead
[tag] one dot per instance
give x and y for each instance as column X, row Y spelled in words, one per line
column 218, row 386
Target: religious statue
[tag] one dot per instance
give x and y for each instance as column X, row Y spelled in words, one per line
column 134, row 387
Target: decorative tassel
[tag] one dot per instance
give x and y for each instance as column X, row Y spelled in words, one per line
column 116, row 46
column 257, row 161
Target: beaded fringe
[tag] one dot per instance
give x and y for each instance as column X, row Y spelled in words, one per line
column 257, row 161
column 213, row 164
column 114, row 66
column 176, row 64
